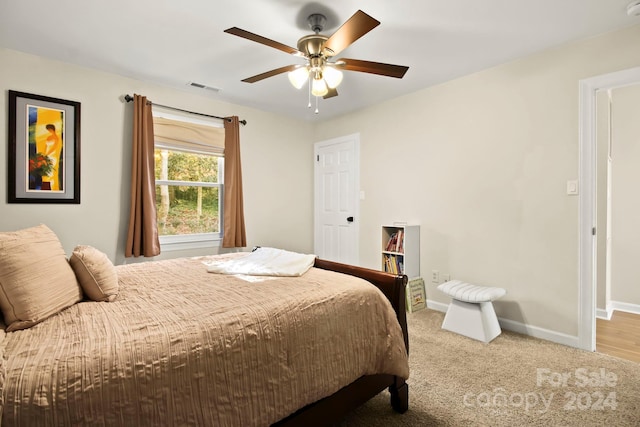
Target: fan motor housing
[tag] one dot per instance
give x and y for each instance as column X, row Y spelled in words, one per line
column 312, row 45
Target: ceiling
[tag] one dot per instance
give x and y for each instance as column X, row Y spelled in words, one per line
column 175, row 42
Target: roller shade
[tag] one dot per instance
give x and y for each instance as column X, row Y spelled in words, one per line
column 191, row 137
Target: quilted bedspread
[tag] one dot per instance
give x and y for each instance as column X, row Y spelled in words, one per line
column 181, row 346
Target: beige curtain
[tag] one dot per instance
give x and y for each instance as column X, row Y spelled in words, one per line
column 142, row 238
column 234, row 232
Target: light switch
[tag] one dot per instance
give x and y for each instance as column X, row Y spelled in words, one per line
column 572, row 187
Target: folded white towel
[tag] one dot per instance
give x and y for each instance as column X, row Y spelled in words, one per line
column 265, row 262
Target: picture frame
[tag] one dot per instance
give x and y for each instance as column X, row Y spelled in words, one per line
column 43, row 149
column 416, row 295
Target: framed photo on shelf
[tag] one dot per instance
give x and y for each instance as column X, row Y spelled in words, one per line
column 44, row 149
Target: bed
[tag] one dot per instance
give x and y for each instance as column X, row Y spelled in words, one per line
column 174, row 344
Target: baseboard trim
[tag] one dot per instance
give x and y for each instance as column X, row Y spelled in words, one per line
column 604, row 313
column 438, row 306
column 625, row 306
column 542, row 333
column 522, row 328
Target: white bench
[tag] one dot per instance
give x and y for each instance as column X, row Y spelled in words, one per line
column 471, row 310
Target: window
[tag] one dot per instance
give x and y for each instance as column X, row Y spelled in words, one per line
column 189, row 183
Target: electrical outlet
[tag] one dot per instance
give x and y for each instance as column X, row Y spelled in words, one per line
column 445, row 277
column 435, row 276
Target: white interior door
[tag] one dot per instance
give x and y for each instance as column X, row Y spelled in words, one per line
column 336, row 177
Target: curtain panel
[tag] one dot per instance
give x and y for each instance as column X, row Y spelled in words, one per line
column 142, row 237
column 234, row 234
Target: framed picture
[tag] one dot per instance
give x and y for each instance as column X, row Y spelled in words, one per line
column 44, row 149
column 416, row 295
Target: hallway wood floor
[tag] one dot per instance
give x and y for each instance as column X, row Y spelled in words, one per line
column 619, row 336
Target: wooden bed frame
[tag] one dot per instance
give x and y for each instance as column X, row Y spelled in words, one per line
column 333, row 408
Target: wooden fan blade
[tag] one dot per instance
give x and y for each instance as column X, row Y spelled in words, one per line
column 354, row 28
column 331, row 93
column 263, row 40
column 271, row 73
column 390, row 70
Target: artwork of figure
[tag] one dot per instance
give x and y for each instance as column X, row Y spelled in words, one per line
column 46, row 144
column 53, row 148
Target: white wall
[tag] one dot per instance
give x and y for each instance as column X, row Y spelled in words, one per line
column 276, row 160
column 625, row 195
column 484, row 162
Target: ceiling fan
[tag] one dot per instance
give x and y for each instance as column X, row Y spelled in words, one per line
column 323, row 72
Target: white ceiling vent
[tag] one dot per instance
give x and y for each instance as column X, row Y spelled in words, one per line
column 201, row 86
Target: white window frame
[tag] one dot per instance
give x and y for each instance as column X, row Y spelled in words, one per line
column 178, row 242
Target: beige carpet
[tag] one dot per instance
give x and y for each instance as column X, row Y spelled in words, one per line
column 515, row 380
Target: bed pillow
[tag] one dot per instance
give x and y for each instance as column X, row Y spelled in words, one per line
column 95, row 272
column 36, row 280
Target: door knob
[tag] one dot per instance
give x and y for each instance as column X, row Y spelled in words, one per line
column 350, row 219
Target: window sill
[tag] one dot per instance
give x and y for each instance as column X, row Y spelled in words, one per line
column 190, row 241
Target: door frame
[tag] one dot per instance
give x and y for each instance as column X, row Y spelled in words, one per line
column 355, row 137
column 588, row 89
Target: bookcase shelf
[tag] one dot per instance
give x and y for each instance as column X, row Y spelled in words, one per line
column 401, row 249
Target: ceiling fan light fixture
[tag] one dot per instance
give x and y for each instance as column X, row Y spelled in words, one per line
column 298, row 77
column 332, row 76
column 320, row 75
column 319, row 87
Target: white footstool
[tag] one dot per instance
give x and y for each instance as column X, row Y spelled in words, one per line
column 471, row 310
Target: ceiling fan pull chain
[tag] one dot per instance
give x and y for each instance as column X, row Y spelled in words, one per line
column 309, row 85
column 317, row 104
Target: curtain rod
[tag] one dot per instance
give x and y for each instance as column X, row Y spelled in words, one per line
column 129, row 98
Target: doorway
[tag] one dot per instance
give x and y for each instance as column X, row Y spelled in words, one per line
column 336, row 199
column 618, row 224
column 589, row 89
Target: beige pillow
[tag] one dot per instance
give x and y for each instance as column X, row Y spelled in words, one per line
column 36, row 280
column 95, row 272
